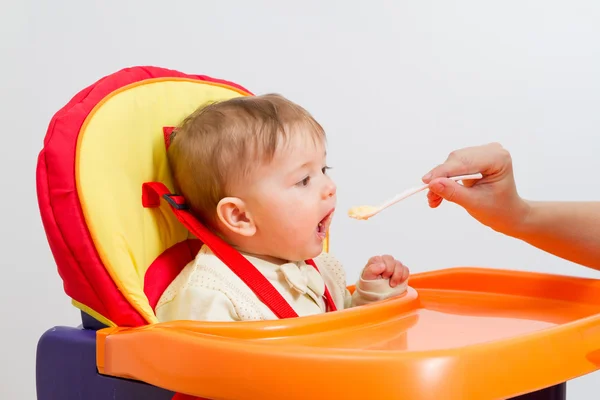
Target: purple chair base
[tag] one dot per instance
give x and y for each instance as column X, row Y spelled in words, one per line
column 557, row 392
column 66, row 370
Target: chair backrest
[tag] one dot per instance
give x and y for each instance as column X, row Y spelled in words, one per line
column 99, row 150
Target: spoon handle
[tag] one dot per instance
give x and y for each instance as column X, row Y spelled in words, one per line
column 414, row 190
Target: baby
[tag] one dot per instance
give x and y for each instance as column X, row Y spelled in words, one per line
column 253, row 170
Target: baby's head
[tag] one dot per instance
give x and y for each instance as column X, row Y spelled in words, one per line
column 253, row 170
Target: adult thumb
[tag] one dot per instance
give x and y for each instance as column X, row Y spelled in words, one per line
column 451, row 191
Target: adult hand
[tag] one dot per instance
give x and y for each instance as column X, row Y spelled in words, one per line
column 492, row 200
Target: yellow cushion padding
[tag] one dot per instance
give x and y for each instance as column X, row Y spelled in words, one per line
column 92, row 313
column 121, row 146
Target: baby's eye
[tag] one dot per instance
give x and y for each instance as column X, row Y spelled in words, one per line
column 304, row 182
column 324, row 169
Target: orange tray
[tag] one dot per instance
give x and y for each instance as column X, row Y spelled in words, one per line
column 464, row 333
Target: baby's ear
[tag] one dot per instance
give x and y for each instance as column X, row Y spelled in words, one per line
column 235, row 217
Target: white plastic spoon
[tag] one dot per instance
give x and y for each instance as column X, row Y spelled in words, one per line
column 366, row 212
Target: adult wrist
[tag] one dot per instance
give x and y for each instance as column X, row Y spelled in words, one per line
column 523, row 220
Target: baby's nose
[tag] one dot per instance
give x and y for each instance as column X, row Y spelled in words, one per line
column 330, row 189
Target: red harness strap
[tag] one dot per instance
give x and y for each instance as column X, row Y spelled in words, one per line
column 152, row 192
column 328, row 299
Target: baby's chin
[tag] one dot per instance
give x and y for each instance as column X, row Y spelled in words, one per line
column 309, row 254
column 295, row 256
column 279, row 257
column 289, row 251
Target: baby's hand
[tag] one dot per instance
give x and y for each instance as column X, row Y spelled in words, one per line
column 385, row 267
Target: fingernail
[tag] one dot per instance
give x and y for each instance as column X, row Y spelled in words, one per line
column 426, row 177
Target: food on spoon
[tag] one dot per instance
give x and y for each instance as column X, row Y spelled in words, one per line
column 362, row 212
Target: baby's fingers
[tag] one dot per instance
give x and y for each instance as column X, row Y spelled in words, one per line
column 401, row 273
column 373, row 271
column 390, row 264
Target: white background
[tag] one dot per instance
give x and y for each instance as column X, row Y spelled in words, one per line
column 397, row 85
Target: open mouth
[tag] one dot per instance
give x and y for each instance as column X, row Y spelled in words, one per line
column 323, row 225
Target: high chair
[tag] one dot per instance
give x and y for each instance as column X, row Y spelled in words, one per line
column 119, row 235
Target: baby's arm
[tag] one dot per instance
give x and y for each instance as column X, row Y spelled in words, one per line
column 373, row 285
column 370, row 291
column 198, row 304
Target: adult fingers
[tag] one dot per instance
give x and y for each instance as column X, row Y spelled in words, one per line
column 449, row 190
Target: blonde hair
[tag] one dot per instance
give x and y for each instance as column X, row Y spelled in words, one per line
column 221, row 142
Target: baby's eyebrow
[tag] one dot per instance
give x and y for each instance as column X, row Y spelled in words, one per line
column 305, row 165
column 308, row 163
